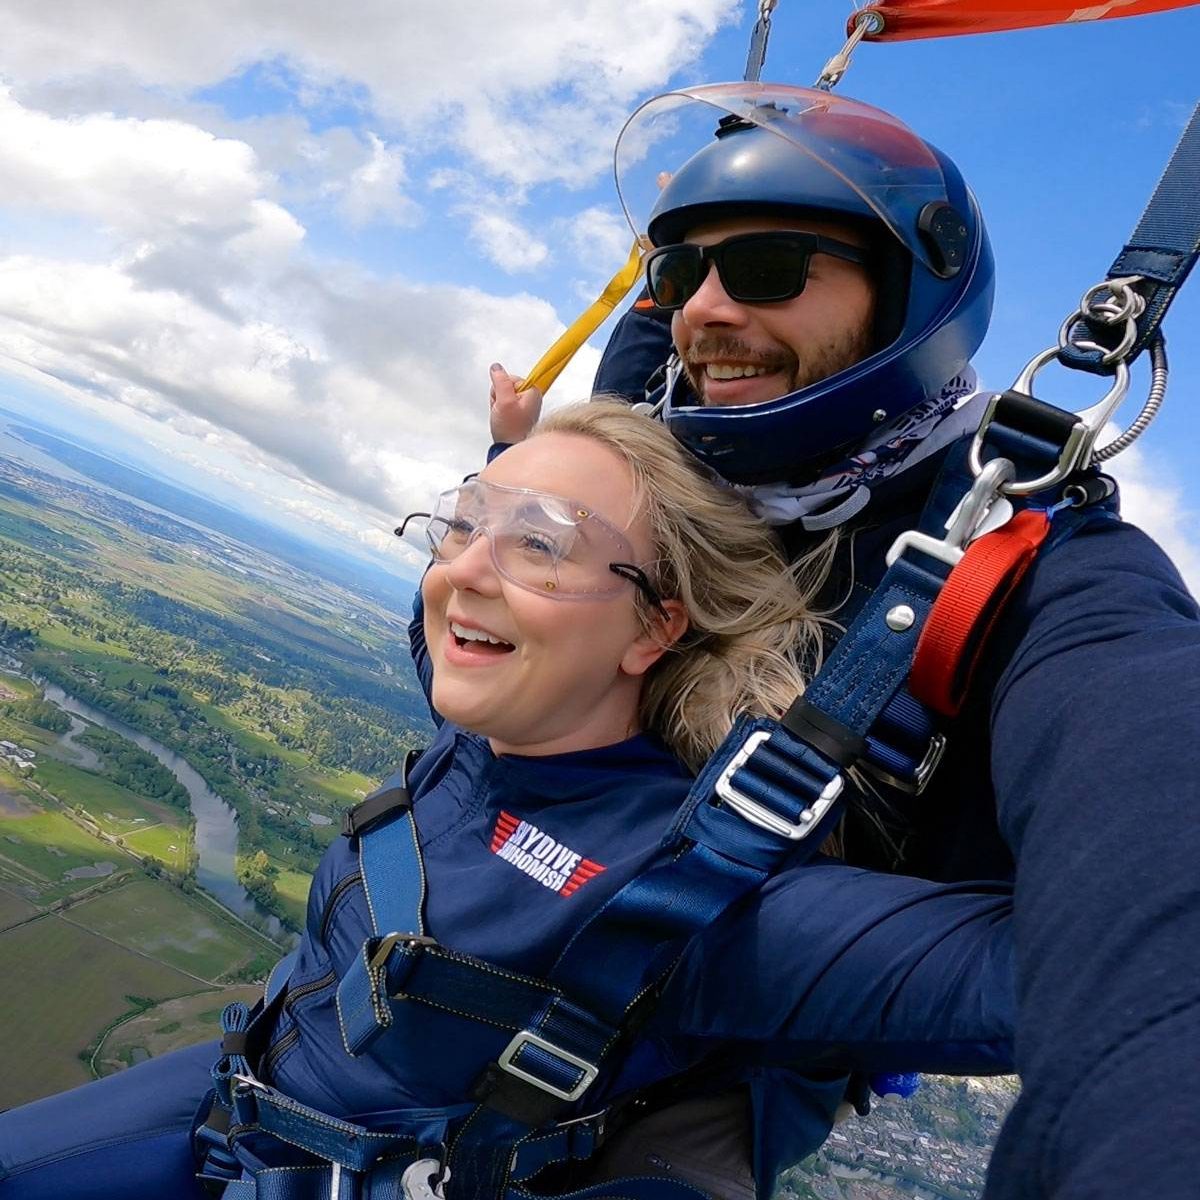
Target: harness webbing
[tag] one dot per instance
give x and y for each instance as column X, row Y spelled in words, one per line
column 967, row 610
column 1160, row 252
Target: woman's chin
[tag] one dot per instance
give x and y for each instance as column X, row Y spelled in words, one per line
column 461, row 704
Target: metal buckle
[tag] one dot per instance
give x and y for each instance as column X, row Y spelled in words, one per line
column 1076, row 451
column 249, row 1083
column 390, row 941
column 750, row 810
column 424, row 1180
column 965, row 521
column 528, row 1038
column 921, row 776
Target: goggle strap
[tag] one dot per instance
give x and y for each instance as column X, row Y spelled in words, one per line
column 641, row 581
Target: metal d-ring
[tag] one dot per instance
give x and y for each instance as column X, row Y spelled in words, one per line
column 1122, row 304
column 1077, row 450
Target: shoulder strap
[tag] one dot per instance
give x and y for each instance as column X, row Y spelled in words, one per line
column 393, row 875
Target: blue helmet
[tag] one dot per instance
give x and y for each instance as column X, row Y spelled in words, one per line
column 798, row 151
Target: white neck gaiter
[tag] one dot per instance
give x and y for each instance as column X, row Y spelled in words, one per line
column 844, row 488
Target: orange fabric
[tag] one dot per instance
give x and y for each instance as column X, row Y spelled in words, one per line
column 967, row 607
column 906, row 19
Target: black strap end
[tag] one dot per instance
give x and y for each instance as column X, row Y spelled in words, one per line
column 235, row 1042
column 517, row 1099
column 376, row 806
column 837, row 742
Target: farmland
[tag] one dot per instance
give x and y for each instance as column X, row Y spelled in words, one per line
column 88, row 939
column 289, row 694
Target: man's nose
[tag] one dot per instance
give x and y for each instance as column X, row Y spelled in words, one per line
column 711, row 305
column 475, row 569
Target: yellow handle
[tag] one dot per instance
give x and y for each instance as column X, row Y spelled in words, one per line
column 551, row 364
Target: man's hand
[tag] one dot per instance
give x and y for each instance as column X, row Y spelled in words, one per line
column 513, row 413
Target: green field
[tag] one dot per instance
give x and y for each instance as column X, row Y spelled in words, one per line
column 163, row 923
column 114, row 808
column 292, row 887
column 24, row 734
column 13, row 909
column 125, row 941
column 43, row 848
column 77, row 983
column 169, row 844
column 287, row 690
column 169, row 1026
column 17, row 687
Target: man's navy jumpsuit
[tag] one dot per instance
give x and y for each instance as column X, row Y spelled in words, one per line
column 1074, row 768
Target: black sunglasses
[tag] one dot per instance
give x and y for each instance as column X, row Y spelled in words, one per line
column 754, row 268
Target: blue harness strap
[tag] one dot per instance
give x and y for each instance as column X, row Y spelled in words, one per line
column 1161, row 253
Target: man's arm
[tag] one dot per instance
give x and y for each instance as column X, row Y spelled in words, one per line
column 419, row 650
column 1095, row 760
column 834, row 966
column 640, row 344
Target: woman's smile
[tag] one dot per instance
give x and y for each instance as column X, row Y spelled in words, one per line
column 471, row 645
column 533, row 671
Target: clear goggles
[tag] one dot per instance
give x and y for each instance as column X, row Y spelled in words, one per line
column 541, row 542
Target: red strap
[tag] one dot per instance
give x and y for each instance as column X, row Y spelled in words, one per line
column 644, row 302
column 967, row 608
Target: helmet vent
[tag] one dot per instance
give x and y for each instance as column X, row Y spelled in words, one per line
column 944, row 232
column 731, row 124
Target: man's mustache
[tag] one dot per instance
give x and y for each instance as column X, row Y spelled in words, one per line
column 714, row 348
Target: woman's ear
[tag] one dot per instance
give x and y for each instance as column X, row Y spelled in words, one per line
column 669, row 626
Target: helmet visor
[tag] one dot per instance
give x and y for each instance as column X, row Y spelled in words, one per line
column 891, row 170
column 541, row 542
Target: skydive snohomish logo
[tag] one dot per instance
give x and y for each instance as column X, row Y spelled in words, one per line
column 552, row 864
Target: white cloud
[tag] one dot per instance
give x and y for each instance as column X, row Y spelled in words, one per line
column 138, row 178
column 381, row 399
column 167, row 277
column 599, row 239
column 527, row 93
column 375, row 191
column 508, row 244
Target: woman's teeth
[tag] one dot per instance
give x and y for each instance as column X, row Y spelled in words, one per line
column 726, row 371
column 464, row 634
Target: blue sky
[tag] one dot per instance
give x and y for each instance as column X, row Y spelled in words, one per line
column 274, row 250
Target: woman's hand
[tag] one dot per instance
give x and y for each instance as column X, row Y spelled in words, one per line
column 513, row 414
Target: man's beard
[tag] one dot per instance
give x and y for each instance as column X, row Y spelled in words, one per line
column 820, row 361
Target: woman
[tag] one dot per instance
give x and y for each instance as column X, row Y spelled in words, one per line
column 596, row 614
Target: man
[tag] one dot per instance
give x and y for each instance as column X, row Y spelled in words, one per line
column 830, row 383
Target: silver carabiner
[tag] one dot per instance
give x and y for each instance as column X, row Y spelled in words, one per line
column 1076, row 452
column 974, row 507
column 967, row 520
column 1123, row 304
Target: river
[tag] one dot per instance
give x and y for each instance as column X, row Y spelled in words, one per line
column 216, row 821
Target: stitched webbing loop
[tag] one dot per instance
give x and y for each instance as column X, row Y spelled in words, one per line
column 967, row 608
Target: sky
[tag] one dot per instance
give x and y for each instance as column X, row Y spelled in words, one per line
column 270, row 249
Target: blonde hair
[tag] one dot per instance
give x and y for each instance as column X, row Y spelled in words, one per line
column 751, row 626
